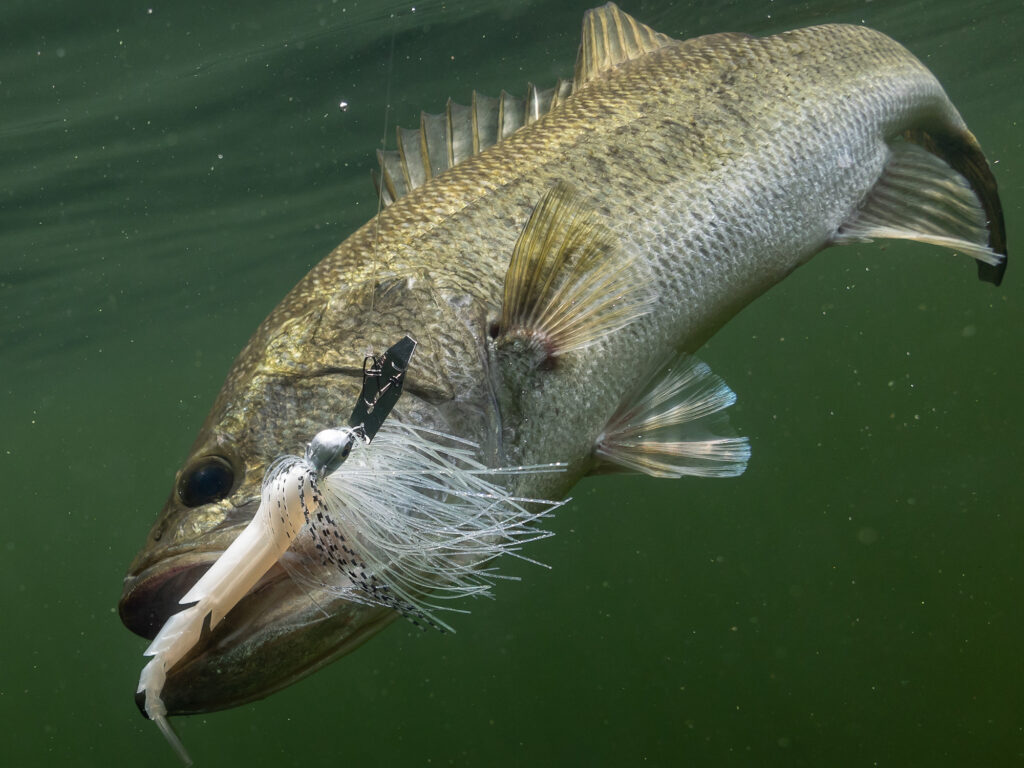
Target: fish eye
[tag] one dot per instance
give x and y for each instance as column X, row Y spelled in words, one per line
column 209, row 479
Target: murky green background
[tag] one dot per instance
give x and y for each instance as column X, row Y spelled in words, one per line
column 169, row 170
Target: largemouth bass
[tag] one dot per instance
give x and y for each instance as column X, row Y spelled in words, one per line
column 557, row 262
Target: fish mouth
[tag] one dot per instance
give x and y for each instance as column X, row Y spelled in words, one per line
column 151, row 597
column 278, row 633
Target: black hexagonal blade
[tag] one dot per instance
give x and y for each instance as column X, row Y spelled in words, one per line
column 382, row 384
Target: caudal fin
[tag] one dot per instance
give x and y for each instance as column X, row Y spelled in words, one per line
column 939, row 190
column 963, row 153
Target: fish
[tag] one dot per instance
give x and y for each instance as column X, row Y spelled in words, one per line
column 559, row 260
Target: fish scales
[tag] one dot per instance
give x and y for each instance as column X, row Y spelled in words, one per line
column 718, row 165
column 726, row 161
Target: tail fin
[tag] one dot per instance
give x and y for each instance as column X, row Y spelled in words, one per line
column 939, row 190
column 963, row 153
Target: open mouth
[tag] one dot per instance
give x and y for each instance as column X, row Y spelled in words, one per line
column 150, row 598
column 278, row 633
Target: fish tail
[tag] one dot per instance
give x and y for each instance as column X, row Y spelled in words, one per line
column 936, row 187
column 961, row 151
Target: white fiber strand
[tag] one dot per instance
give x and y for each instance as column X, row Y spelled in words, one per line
column 411, row 520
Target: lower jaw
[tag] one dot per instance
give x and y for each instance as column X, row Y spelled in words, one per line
column 277, row 634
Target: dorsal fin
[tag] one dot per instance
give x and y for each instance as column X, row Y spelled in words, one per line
column 446, row 139
column 568, row 283
column 611, row 37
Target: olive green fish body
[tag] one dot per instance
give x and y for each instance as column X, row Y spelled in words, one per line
column 723, row 162
column 710, row 167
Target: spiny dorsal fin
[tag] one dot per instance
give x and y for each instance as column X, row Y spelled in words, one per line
column 919, row 196
column 446, row 139
column 611, row 37
column 567, row 283
column 664, row 431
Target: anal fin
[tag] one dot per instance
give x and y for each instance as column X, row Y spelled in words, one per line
column 668, row 429
column 920, row 196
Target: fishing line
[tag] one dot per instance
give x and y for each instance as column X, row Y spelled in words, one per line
column 383, row 147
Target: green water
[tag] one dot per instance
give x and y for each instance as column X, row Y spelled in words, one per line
column 168, row 171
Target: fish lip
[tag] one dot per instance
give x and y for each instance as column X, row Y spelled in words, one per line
column 161, row 576
column 152, row 596
column 278, row 633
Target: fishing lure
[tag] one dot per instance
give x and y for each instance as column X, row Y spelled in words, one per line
column 405, row 523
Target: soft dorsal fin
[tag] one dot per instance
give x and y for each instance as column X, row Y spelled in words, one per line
column 666, row 429
column 446, row 139
column 568, row 283
column 922, row 196
column 611, row 37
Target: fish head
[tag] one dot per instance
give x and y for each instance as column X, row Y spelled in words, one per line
column 280, row 630
column 296, row 377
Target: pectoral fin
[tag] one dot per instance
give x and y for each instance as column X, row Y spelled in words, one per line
column 568, row 283
column 946, row 200
column 668, row 429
